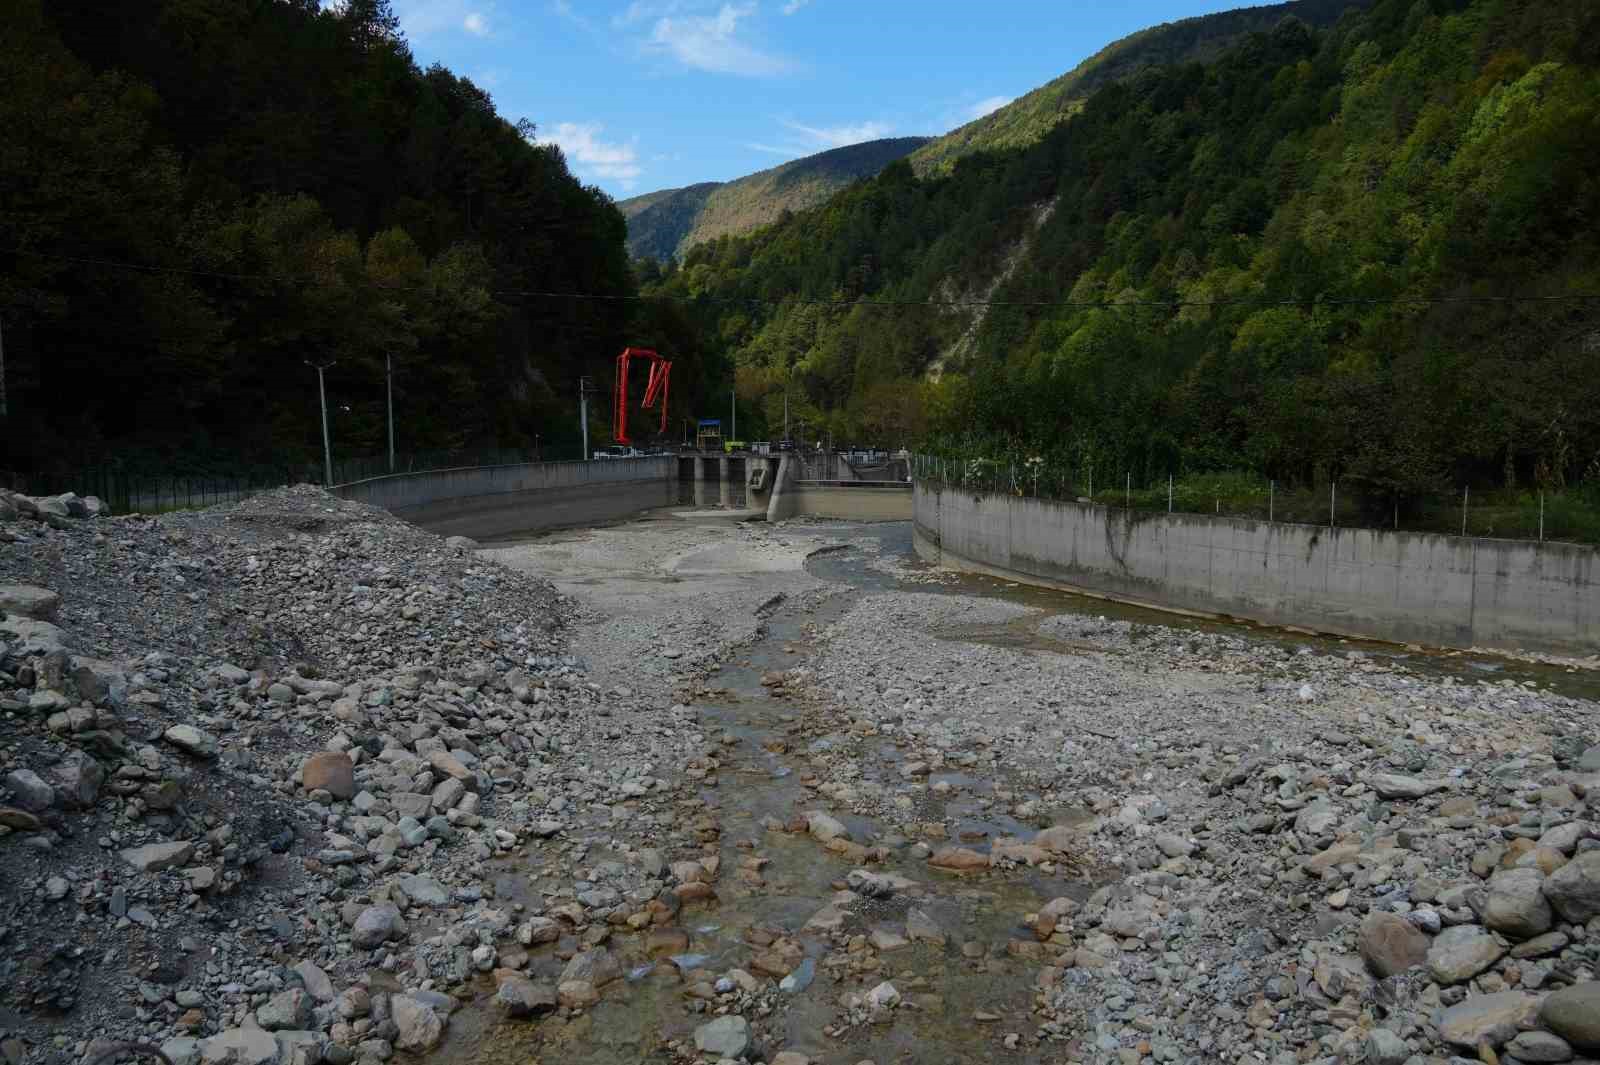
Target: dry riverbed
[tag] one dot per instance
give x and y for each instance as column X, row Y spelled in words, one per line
column 288, row 781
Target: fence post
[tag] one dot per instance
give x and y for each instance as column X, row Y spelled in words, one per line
column 1466, row 495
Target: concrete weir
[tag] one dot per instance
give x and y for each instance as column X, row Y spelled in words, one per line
column 1444, row 591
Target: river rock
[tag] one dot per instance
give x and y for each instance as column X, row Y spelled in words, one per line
column 1573, row 1013
column 1461, row 952
column 1574, row 889
column 329, row 771
column 1516, row 904
column 154, row 857
column 726, row 1037
column 239, row 1046
column 192, row 740
column 286, row 1009
column 825, row 827
column 315, row 980
column 521, row 996
column 29, row 601
column 1399, row 786
column 31, row 791
column 921, row 928
column 959, row 859
column 419, row 1026
column 424, row 890
column 1492, row 1019
column 1389, row 944
column 377, row 925
column 596, row 966
column 1539, row 1046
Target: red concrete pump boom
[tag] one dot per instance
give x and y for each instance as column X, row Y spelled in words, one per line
column 655, row 389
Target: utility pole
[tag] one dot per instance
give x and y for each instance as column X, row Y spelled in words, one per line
column 388, row 371
column 322, row 394
column 733, row 403
column 585, row 386
column 4, row 409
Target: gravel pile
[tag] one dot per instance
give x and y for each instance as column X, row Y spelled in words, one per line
column 1302, row 856
column 252, row 756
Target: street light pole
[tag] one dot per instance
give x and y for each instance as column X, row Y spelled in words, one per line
column 388, row 369
column 733, row 403
column 322, row 394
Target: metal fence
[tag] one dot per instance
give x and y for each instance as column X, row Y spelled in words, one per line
column 128, row 491
column 1572, row 515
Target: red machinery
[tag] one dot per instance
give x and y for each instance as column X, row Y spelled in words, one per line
column 655, row 388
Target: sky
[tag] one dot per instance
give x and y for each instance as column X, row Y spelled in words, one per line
column 652, row 94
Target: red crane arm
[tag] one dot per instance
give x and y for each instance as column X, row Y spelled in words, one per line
column 655, row 389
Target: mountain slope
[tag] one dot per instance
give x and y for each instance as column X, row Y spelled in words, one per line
column 664, row 224
column 1027, row 118
column 1291, row 261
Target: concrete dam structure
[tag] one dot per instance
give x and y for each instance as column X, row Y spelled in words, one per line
column 1443, row 591
column 499, row 502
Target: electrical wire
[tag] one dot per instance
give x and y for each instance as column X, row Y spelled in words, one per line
column 1239, row 301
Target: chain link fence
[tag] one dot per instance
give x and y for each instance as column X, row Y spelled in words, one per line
column 1571, row 516
column 128, row 491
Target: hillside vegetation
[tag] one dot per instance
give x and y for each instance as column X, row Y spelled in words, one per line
column 1232, row 265
column 1029, row 117
column 195, row 199
column 662, row 225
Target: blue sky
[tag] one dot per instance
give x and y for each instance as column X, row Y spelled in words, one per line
column 651, row 94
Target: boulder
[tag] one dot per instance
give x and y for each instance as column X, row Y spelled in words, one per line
column 824, row 827
column 192, row 740
column 958, row 859
column 239, row 1046
column 287, row 1009
column 1494, row 1019
column 1516, row 905
column 596, row 966
column 77, row 780
column 1398, row 786
column 521, row 996
column 424, row 890
column 316, row 982
column 154, row 857
column 1390, row 944
column 31, row 792
column 29, row 601
column 419, row 1027
column 725, row 1037
column 921, row 928
column 376, row 925
column 329, row 771
column 1461, row 952
column 1539, row 1046
column 1574, row 889
column 1573, row 1013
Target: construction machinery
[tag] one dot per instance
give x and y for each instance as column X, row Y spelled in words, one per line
column 655, row 390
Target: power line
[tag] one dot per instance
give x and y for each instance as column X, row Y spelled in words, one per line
column 1238, row 301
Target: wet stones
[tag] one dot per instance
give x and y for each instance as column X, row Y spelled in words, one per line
column 518, row 995
column 958, row 859
column 418, row 1026
column 825, row 828
column 597, row 966
column 1390, row 944
column 1573, row 1013
column 921, row 928
column 726, row 1037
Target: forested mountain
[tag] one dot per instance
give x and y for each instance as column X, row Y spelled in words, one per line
column 1202, row 38
column 196, row 198
column 1309, row 257
column 665, row 224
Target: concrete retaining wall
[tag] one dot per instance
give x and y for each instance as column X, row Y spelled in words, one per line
column 1443, row 591
column 496, row 502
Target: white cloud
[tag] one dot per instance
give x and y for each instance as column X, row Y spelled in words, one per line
column 425, row 18
column 985, row 107
column 820, row 138
column 774, row 149
column 594, row 158
column 794, row 5
column 708, row 42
